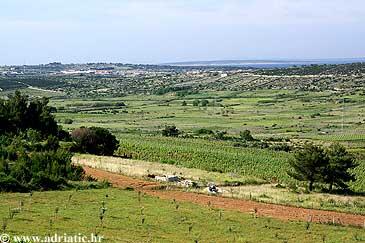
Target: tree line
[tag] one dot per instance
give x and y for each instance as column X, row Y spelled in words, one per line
column 31, row 157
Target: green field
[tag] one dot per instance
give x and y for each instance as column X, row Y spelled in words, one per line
column 298, row 116
column 128, row 219
column 207, row 155
column 288, row 115
column 220, row 156
column 267, row 113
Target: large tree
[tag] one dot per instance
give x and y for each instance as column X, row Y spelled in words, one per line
column 340, row 162
column 309, row 165
column 19, row 113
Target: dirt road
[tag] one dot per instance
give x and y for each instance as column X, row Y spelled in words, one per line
column 261, row 209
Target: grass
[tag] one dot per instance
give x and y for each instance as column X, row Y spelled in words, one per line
column 248, row 187
column 128, row 219
column 139, row 168
column 292, row 111
column 272, row 193
column 321, row 117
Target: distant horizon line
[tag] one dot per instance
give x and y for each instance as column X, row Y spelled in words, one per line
column 213, row 61
column 276, row 60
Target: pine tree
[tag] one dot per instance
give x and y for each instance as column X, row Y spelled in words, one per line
column 340, row 162
column 309, row 164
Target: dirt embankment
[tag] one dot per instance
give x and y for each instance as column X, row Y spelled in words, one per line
column 261, row 209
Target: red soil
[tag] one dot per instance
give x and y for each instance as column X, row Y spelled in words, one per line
column 261, row 209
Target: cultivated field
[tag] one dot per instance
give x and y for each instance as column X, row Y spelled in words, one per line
column 323, row 116
column 283, row 109
column 134, row 217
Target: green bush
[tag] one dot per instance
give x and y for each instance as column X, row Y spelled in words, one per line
column 26, row 165
column 94, row 140
column 43, row 181
column 30, row 154
column 246, row 135
column 170, row 131
column 68, row 121
column 203, row 131
column 9, row 184
column 46, row 170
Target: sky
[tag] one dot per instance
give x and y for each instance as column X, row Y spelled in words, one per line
column 159, row 31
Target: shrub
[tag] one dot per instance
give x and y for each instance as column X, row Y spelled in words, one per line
column 246, row 135
column 38, row 171
column 204, row 103
column 203, row 131
column 68, row 121
column 63, row 135
column 43, row 181
column 33, row 136
column 94, row 140
column 170, row 131
column 220, row 135
column 30, row 158
column 52, row 143
column 9, row 184
column 281, row 147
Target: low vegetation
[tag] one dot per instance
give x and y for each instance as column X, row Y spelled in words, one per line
column 30, row 154
column 170, row 131
column 230, row 184
column 135, row 217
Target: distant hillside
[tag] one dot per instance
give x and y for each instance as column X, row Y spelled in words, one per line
column 323, row 69
column 85, row 80
column 283, row 63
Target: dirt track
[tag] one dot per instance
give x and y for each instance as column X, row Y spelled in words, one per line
column 261, row 209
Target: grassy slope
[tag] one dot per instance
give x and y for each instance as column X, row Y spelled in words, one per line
column 163, row 223
column 207, row 155
column 257, row 111
column 265, row 113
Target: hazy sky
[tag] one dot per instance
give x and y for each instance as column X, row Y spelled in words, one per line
column 155, row 31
